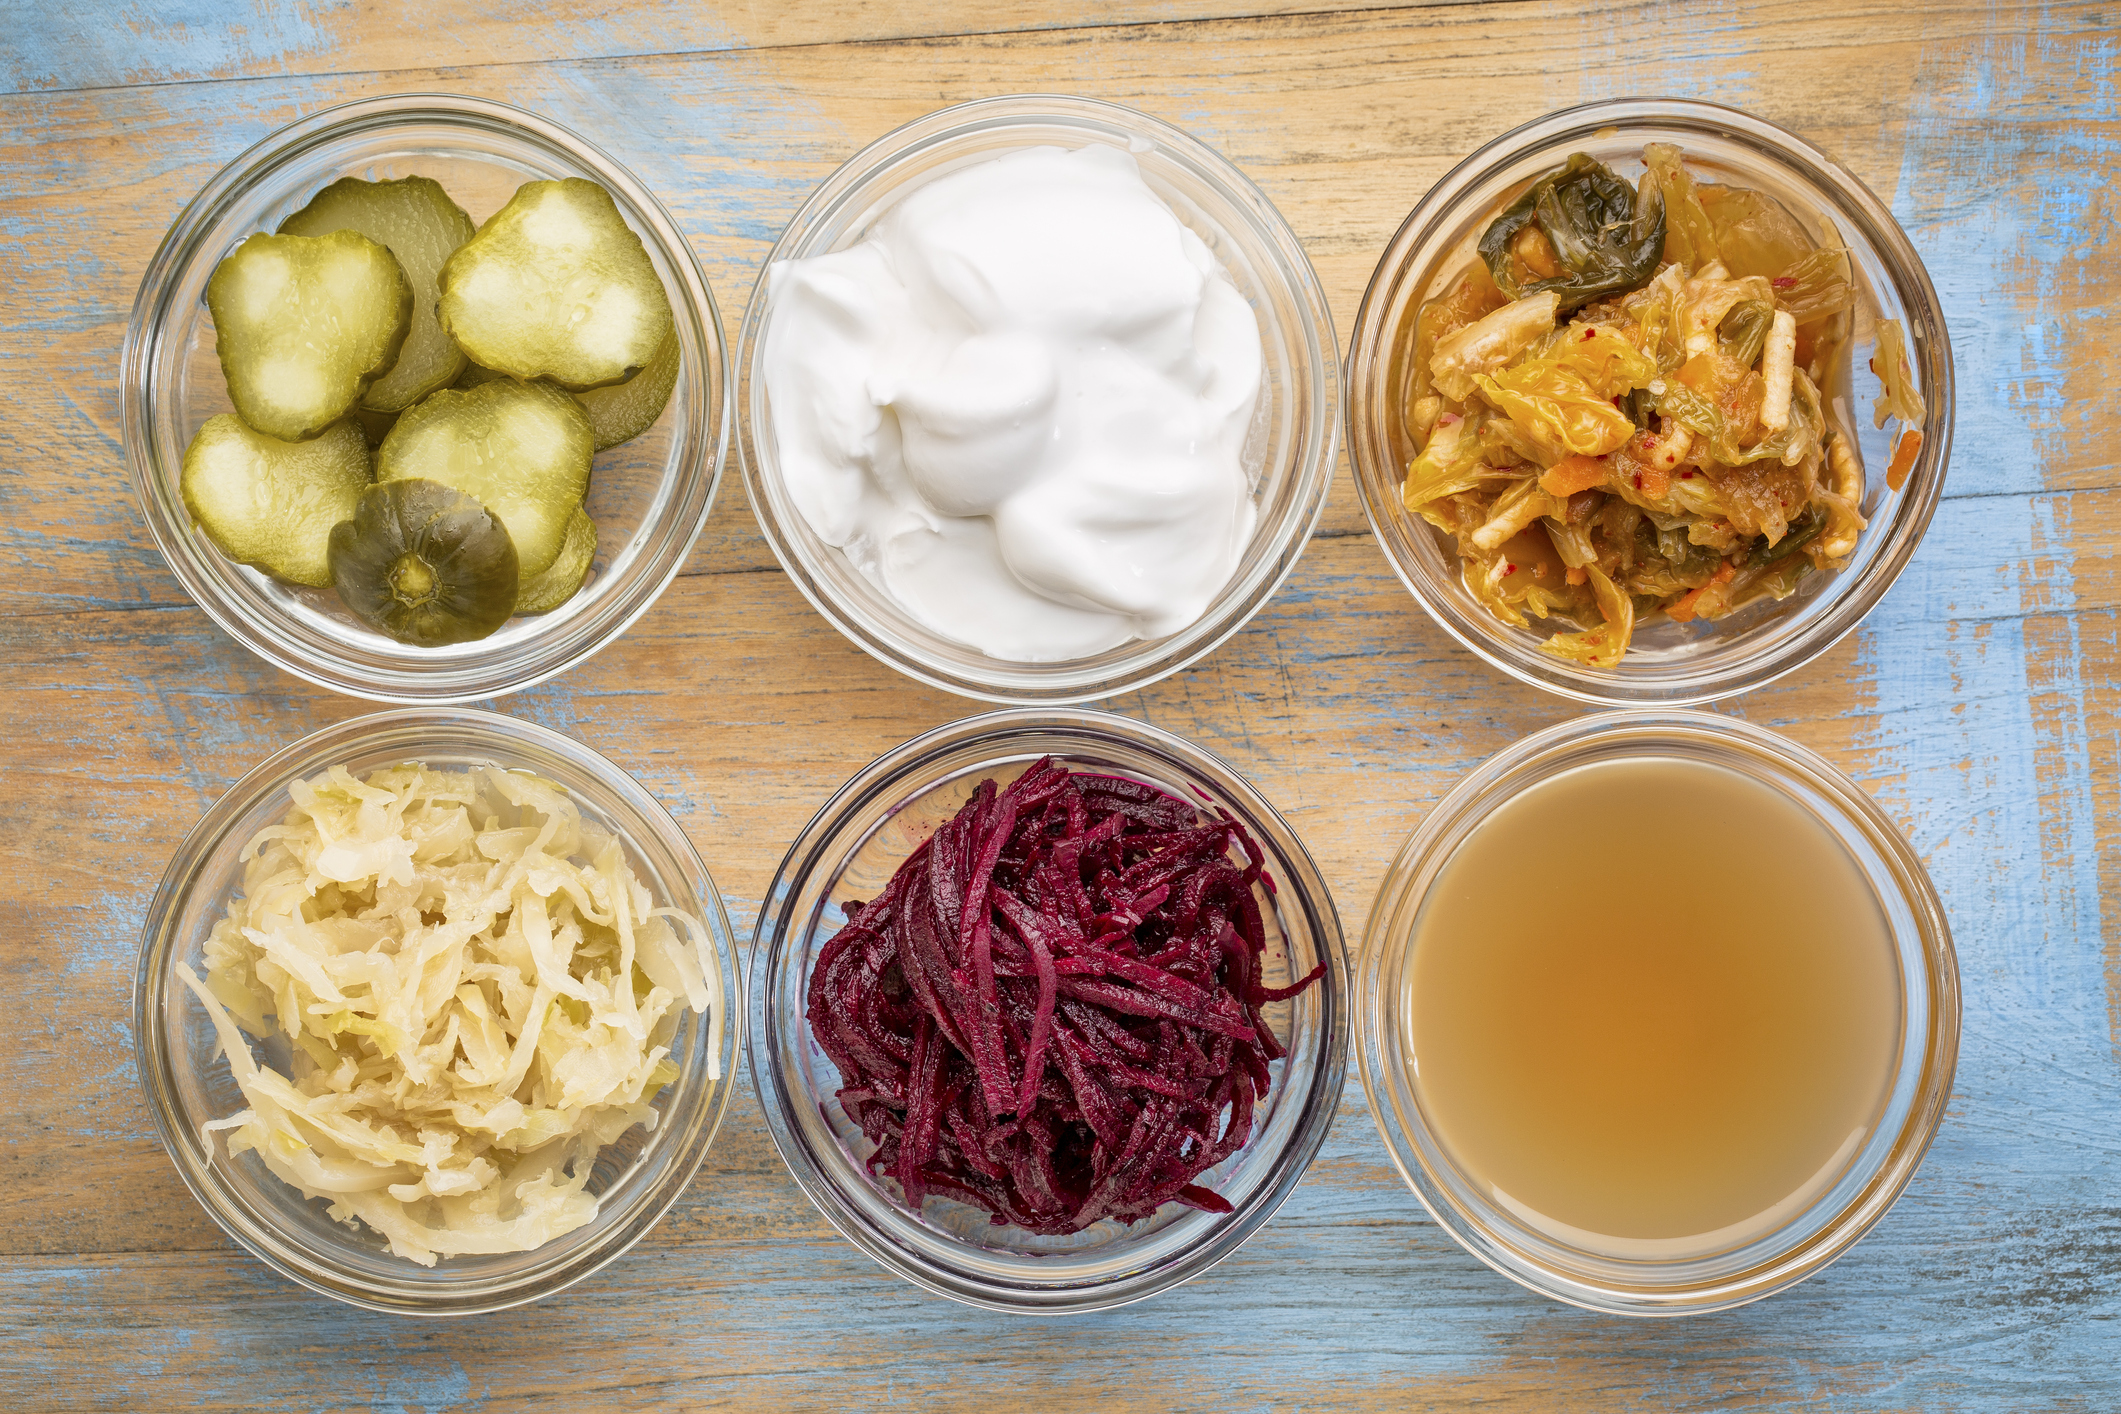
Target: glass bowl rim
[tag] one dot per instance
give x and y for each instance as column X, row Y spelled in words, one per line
column 905, row 774
column 1490, row 785
column 160, row 950
column 1853, row 596
column 1315, row 457
column 695, row 476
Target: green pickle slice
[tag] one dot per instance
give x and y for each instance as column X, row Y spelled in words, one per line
column 474, row 374
column 622, row 411
column 564, row 576
column 625, row 410
column 422, row 227
column 375, row 426
column 271, row 504
column 522, row 450
column 304, row 324
column 555, row 285
column 425, row 564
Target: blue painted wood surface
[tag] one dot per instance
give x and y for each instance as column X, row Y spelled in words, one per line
column 1978, row 704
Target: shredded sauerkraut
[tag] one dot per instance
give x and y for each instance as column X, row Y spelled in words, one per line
column 477, row 994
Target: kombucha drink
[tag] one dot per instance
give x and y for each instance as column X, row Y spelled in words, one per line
column 1653, row 1007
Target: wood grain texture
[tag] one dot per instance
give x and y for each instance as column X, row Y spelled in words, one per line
column 92, row 48
column 1980, row 703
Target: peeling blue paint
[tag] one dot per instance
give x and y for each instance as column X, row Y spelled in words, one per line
column 1994, row 1285
column 100, row 46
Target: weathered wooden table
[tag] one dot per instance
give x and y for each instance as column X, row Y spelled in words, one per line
column 1979, row 704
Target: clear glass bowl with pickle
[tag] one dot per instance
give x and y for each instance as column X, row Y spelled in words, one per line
column 628, row 522
column 1649, row 401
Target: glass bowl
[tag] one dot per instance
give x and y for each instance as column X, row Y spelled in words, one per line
column 649, row 497
column 850, row 850
column 187, row 1083
column 1294, row 437
column 1669, row 663
column 1817, row 1231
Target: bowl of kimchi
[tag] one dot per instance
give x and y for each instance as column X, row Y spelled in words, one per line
column 1649, row 402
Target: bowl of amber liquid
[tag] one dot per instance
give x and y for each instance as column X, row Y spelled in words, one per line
column 1659, row 1013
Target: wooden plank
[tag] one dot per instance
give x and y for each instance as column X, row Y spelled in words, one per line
column 1979, row 703
column 72, row 50
column 760, row 1321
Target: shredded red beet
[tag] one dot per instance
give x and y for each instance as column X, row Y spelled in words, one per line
column 1053, row 1010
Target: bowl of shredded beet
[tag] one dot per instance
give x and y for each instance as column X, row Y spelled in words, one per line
column 1053, row 1010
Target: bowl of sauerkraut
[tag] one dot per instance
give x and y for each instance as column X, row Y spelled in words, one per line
column 1649, row 401
column 437, row 1011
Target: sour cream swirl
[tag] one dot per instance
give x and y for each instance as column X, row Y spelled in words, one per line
column 1020, row 405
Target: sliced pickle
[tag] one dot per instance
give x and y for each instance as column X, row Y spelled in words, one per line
column 625, row 410
column 375, row 426
column 271, row 504
column 564, row 575
column 474, row 374
column 424, row 563
column 521, row 450
column 622, row 411
column 555, row 285
column 422, row 227
column 303, row 325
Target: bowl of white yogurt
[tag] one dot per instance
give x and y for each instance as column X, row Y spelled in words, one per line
column 1040, row 399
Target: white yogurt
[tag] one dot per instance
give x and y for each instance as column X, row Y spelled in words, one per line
column 1020, row 406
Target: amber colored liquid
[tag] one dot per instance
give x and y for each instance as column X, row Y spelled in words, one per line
column 1653, row 1006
